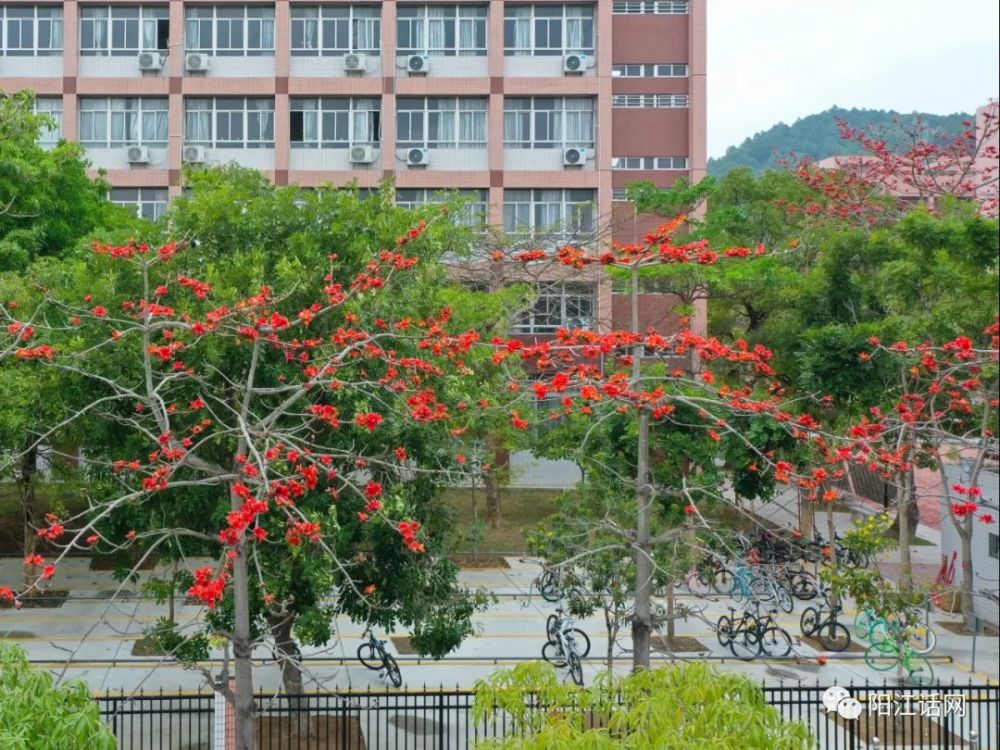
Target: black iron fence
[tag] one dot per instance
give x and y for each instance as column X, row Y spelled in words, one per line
column 854, row 717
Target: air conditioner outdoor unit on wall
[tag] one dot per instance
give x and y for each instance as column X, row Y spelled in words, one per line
column 150, row 61
column 355, row 63
column 196, row 62
column 574, row 157
column 418, row 64
column 137, row 155
column 418, row 157
column 362, row 154
column 574, row 64
column 194, row 154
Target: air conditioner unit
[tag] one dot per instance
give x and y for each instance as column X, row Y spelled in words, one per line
column 362, row 154
column 417, row 64
column 150, row 61
column 137, row 155
column 574, row 157
column 355, row 63
column 196, row 61
column 418, row 157
column 194, row 154
column 574, row 64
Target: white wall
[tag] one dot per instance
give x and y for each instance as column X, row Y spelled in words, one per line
column 329, row 159
column 527, row 470
column 114, row 158
column 986, row 570
column 449, row 67
column 450, row 159
column 332, row 66
column 115, row 67
column 541, row 66
column 239, row 67
column 257, row 158
column 18, row 67
column 543, row 158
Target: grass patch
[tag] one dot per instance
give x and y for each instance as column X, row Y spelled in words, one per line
column 520, row 508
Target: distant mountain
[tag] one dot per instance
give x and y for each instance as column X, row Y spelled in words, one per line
column 817, row 136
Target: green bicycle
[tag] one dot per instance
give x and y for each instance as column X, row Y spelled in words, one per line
column 876, row 629
column 888, row 654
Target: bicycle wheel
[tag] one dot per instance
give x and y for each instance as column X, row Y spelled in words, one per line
column 696, row 584
column 922, row 639
column 579, row 641
column 803, row 587
column 744, row 644
column 808, row 621
column 762, row 588
column 862, row 624
column 547, row 587
column 368, row 656
column 919, row 671
column 392, row 671
column 882, row 656
column 724, row 581
column 834, row 636
column 552, row 653
column 784, row 599
column 724, row 630
column 775, row 642
column 551, row 625
column 575, row 668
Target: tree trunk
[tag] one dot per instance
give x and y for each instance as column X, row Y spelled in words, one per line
column 29, row 508
column 671, row 602
column 246, row 737
column 906, row 498
column 965, row 535
column 611, row 620
column 641, row 620
column 807, row 517
column 290, row 655
column 493, row 510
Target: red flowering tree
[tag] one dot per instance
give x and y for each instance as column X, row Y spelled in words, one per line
column 274, row 392
column 906, row 165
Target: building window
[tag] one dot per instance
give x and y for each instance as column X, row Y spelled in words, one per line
column 437, row 30
column 995, row 546
column 109, row 122
column 654, row 7
column 564, row 215
column 52, row 107
column 233, row 31
column 649, row 162
column 547, row 122
column 619, row 194
column 436, row 122
column 31, row 30
column 334, row 122
column 334, row 31
column 472, row 213
column 122, row 30
column 559, row 305
column 229, row 122
column 548, row 30
column 649, row 101
column 148, row 203
column 650, row 70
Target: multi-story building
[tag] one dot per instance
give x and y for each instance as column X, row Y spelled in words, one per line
column 540, row 112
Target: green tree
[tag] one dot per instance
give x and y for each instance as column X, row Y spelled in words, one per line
column 679, row 706
column 37, row 714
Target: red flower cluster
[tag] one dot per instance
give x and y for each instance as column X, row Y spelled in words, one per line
column 208, row 589
column 371, row 420
column 240, row 520
column 408, row 530
column 961, row 510
column 303, row 529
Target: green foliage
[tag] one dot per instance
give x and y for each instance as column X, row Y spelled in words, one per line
column 679, row 706
column 817, row 136
column 167, row 637
column 37, row 714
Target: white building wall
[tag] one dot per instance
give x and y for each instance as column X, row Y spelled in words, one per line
column 986, row 569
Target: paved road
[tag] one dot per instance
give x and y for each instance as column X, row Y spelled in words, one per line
column 91, row 636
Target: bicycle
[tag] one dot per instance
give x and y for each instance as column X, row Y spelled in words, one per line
column 757, row 636
column 566, row 645
column 373, row 655
column 885, row 655
column 875, row 629
column 709, row 575
column 822, row 623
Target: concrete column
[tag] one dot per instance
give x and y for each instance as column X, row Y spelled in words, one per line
column 388, row 88
column 697, row 109
column 71, row 38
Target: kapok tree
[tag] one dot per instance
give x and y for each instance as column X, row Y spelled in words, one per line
column 943, row 410
column 905, row 165
column 649, row 375
column 296, row 429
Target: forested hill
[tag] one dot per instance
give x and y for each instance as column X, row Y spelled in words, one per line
column 817, row 136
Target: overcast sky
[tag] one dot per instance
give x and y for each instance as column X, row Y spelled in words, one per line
column 778, row 60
